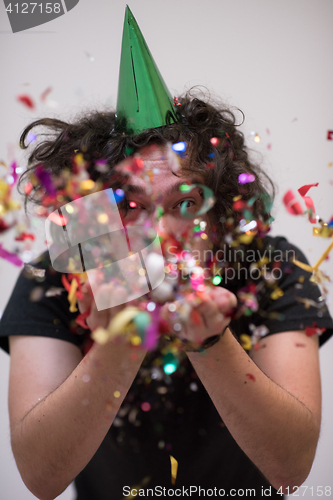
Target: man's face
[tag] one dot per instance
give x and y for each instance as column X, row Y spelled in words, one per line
column 157, row 185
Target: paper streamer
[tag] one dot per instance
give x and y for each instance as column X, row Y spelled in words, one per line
column 308, row 201
column 174, row 469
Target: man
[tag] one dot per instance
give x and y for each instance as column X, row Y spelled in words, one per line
column 231, row 421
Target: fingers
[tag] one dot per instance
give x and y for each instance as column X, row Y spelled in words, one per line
column 208, row 318
column 226, row 301
column 100, row 318
column 87, row 298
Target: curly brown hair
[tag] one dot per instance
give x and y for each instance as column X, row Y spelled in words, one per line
column 95, row 136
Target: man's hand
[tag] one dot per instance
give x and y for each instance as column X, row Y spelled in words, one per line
column 88, row 302
column 206, row 319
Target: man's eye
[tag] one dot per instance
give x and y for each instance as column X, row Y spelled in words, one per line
column 188, row 204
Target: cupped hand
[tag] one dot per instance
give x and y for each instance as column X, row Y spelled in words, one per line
column 101, row 318
column 208, row 318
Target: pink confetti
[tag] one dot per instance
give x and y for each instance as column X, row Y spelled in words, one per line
column 245, row 178
column 145, row 406
column 214, row 141
column 10, row 257
column 291, row 204
column 60, row 220
column 45, row 94
column 14, row 174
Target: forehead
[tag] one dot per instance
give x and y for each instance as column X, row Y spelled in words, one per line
column 162, row 170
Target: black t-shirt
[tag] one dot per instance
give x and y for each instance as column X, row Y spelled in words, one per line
column 182, row 420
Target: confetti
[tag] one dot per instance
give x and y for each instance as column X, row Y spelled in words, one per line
column 72, row 297
column 291, row 204
column 310, row 331
column 214, row 141
column 330, row 135
column 179, row 147
column 10, row 257
column 58, row 219
column 45, row 94
column 45, row 179
column 246, row 178
column 54, row 291
column 174, row 469
column 308, row 201
column 26, row 100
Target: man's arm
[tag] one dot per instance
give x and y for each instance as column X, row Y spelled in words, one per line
column 61, row 406
column 270, row 402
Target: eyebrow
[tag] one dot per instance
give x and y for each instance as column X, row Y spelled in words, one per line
column 130, row 188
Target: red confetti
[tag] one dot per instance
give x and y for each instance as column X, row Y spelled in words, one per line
column 308, row 201
column 291, row 204
column 26, row 100
column 65, row 282
column 239, row 205
column 25, row 236
column 251, row 377
column 81, row 319
column 310, row 331
column 330, row 135
column 210, row 165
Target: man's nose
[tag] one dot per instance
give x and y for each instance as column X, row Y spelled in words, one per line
column 157, row 220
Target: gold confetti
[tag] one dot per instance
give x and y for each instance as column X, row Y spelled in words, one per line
column 324, row 232
column 277, row 293
column 174, row 469
column 72, row 296
column 246, row 341
column 87, row 185
column 315, row 268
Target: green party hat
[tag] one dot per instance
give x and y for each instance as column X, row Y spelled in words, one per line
column 144, row 100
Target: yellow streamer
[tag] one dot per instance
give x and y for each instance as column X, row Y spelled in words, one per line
column 72, row 296
column 174, row 469
column 119, row 325
column 311, row 269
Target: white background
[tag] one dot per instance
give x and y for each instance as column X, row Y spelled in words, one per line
column 272, row 59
